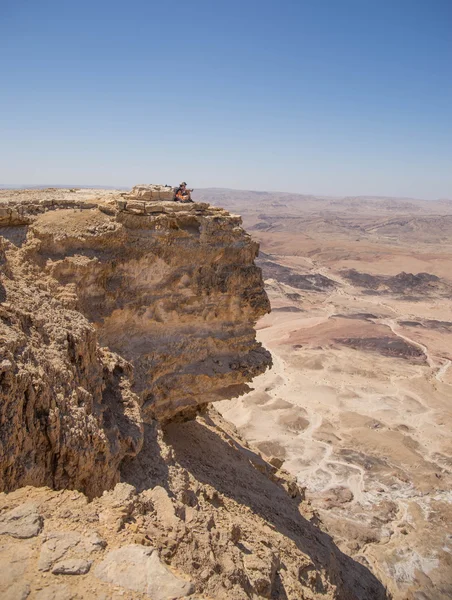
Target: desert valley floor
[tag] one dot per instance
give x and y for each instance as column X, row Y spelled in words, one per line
column 358, row 403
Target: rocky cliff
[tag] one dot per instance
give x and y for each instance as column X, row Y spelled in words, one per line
column 120, row 320
column 116, row 312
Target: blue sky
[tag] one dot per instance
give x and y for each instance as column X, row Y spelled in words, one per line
column 321, row 96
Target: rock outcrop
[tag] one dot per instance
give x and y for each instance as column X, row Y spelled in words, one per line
column 121, row 319
column 199, row 515
column 115, row 312
column 68, row 414
column 145, row 191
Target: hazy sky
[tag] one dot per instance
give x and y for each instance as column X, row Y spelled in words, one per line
column 313, row 96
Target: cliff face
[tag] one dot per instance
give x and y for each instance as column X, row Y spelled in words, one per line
column 116, row 312
column 68, row 416
column 116, row 316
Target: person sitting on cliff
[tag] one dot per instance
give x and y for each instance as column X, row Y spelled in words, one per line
column 183, row 194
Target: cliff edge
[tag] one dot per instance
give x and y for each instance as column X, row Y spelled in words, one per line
column 116, row 312
column 121, row 319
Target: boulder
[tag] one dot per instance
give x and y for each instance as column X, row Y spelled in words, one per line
column 21, row 522
column 139, row 569
column 69, row 545
column 72, row 566
column 152, row 192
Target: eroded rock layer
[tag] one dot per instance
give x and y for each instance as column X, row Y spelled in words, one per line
column 68, row 415
column 97, row 288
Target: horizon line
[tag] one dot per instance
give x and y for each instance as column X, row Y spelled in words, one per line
column 15, row 186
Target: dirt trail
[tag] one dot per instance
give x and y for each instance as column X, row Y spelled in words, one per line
column 391, row 323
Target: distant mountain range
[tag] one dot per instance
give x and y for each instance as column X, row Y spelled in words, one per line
column 229, row 195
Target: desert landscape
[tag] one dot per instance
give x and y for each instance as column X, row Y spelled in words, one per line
column 323, row 468
column 233, row 380
column 358, row 402
column 123, row 317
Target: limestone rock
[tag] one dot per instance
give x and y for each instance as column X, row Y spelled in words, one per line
column 72, row 566
column 137, row 568
column 55, row 547
column 276, row 462
column 115, row 312
column 70, row 412
column 152, row 192
column 116, row 505
column 69, row 545
column 21, row 522
column 122, row 496
column 234, row 522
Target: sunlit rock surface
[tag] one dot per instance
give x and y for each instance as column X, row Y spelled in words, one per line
column 114, row 312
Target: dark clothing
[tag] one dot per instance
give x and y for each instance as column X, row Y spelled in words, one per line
column 183, row 195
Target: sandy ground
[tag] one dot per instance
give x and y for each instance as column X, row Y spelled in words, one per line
column 358, row 404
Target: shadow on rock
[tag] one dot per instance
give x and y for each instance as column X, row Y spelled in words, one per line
column 224, row 464
column 149, row 468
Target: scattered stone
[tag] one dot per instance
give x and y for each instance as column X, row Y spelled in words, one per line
column 59, row 544
column 55, row 547
column 116, row 505
column 122, row 494
column 93, row 542
column 139, row 569
column 235, row 533
column 72, row 566
column 22, row 522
